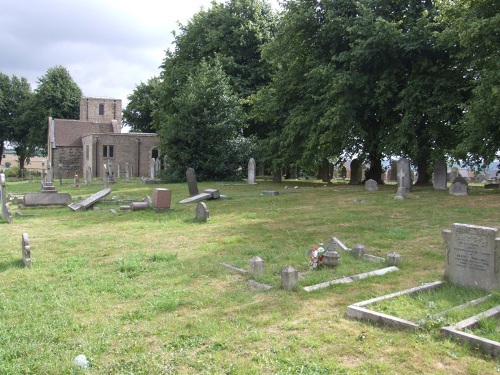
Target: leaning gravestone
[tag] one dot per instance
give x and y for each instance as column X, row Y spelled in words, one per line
column 371, row 185
column 459, row 187
column 251, row 171
column 472, row 256
column 439, row 178
column 202, row 213
column 356, row 172
column 26, row 250
column 192, row 184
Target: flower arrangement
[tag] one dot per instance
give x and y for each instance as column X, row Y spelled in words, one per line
column 316, row 256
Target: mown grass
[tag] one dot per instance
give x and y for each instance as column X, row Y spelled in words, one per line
column 144, row 292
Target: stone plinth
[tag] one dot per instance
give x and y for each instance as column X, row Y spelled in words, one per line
column 289, row 278
column 162, row 199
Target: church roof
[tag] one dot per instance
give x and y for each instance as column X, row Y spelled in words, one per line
column 69, row 133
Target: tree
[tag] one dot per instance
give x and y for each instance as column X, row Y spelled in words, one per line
column 228, row 36
column 143, row 102
column 472, row 34
column 4, row 114
column 205, row 129
column 58, row 96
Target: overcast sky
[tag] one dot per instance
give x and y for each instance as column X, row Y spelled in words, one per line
column 108, row 46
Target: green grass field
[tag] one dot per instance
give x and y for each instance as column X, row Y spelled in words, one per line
column 144, row 293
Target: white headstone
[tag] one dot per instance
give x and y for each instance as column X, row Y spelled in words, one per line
column 251, row 171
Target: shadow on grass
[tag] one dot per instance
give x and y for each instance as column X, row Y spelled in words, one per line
column 16, row 263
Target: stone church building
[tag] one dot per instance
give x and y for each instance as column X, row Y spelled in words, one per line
column 87, row 145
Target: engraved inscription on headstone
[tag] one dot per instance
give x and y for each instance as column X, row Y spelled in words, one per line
column 473, row 256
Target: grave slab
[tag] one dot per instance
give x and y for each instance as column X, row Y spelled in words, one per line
column 239, row 270
column 86, row 203
column 46, row 199
column 258, row 285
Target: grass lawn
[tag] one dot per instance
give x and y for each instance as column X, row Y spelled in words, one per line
column 144, row 293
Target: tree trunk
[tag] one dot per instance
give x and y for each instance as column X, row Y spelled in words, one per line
column 375, row 170
column 424, row 176
column 324, row 171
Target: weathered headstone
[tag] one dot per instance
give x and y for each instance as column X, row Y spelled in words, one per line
column 90, row 201
column 202, row 213
column 404, row 174
column 89, row 174
column 127, row 171
column 77, row 181
column 256, row 266
column 459, row 187
column 439, row 178
column 157, row 166
column 356, row 172
column 331, row 258
column 162, row 199
column 371, row 185
column 152, row 168
column 192, row 184
column 26, row 250
column 118, row 170
column 472, row 256
column 251, row 171
column 44, row 199
column 289, row 278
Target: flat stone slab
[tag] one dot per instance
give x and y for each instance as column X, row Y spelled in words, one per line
column 239, row 270
column 46, row 199
column 258, row 285
column 350, row 279
column 207, row 194
column 86, row 203
column 487, row 346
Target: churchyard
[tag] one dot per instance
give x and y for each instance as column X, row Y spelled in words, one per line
column 158, row 292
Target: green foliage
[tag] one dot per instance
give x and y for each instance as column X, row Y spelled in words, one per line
column 216, row 65
column 142, row 104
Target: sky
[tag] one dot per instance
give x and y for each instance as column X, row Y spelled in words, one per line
column 108, row 46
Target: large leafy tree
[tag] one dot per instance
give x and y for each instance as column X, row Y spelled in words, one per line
column 57, row 95
column 229, row 36
column 203, row 132
column 16, row 100
column 472, row 34
column 142, row 104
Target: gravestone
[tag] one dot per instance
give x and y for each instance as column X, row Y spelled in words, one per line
column 459, row 187
column 111, row 176
column 127, row 171
column 472, row 256
column 202, row 213
column 289, row 278
column 404, row 174
column 157, row 166
column 251, row 171
column 139, row 206
column 89, row 174
column 90, row 201
column 48, row 184
column 331, row 258
column 118, row 171
column 371, row 185
column 439, row 178
column 356, row 172
column 6, row 213
column 26, row 250
column 152, row 164
column 45, row 199
column 162, row 199
column 257, row 266
column 192, row 184
column 394, row 259
column 359, row 250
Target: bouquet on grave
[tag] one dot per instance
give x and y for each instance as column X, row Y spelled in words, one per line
column 316, row 256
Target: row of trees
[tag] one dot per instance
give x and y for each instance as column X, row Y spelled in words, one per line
column 324, row 80
column 24, row 113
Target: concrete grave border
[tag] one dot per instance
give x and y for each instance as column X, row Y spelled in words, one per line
column 487, row 346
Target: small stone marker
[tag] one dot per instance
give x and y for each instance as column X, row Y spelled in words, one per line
column 459, row 187
column 251, row 171
column 371, row 185
column 359, row 250
column 256, row 266
column 125, row 208
column 77, row 181
column 270, row 192
column 472, row 256
column 202, row 213
column 162, row 199
column 394, row 259
column 192, row 184
column 26, row 250
column 289, row 278
column 439, row 178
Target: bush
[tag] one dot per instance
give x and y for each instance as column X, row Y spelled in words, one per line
column 12, row 172
column 7, row 164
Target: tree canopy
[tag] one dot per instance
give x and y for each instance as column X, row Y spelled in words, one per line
column 143, row 103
